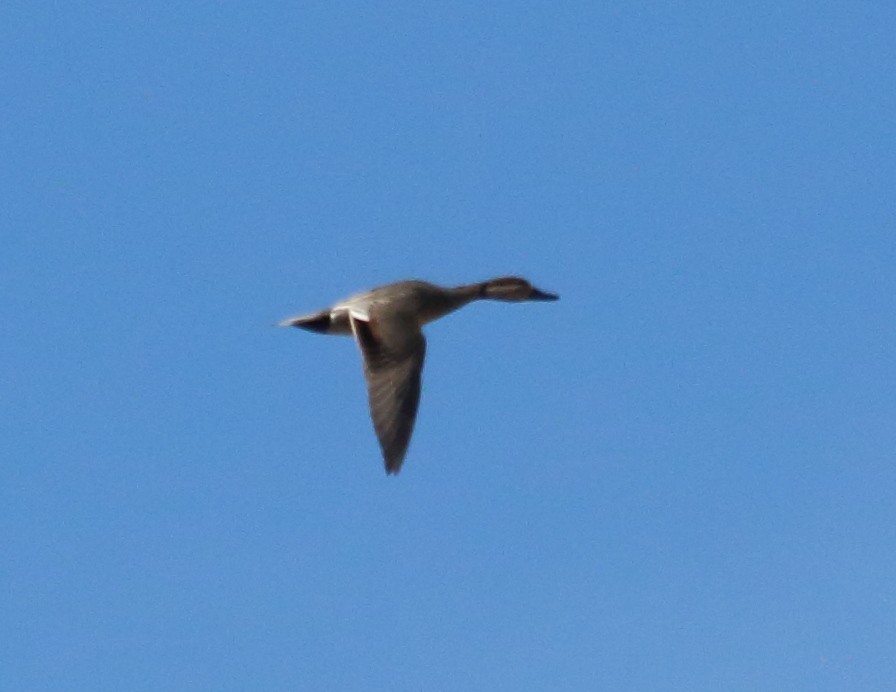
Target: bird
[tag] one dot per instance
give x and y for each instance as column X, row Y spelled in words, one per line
column 386, row 323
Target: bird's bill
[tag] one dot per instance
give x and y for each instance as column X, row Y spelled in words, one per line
column 542, row 295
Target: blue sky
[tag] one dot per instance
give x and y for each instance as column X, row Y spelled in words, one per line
column 679, row 477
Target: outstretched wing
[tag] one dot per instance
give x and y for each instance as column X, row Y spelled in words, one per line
column 393, row 350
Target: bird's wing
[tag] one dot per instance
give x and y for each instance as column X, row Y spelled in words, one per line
column 393, row 349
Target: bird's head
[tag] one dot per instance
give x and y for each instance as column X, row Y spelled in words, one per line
column 513, row 289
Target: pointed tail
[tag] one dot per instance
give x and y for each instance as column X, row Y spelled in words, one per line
column 318, row 322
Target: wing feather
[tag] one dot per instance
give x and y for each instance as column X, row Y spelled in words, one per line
column 393, row 351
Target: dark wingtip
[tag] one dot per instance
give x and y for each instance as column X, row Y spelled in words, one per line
column 393, row 464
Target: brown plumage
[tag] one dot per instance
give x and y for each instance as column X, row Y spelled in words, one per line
column 386, row 323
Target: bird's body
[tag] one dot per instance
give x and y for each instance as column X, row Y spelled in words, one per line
column 386, row 323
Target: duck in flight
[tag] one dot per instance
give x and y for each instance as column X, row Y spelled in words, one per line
column 386, row 323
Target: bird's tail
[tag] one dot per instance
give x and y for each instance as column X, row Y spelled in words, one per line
column 317, row 322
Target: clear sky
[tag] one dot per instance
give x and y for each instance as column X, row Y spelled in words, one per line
column 679, row 477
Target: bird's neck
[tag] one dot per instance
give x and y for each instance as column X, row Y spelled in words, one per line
column 451, row 299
